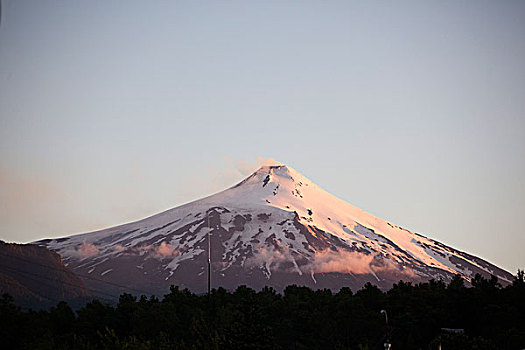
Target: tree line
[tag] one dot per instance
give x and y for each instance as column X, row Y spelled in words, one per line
column 420, row 316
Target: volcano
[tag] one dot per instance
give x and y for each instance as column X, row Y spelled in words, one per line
column 274, row 228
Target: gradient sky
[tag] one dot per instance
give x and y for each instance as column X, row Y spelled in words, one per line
column 111, row 111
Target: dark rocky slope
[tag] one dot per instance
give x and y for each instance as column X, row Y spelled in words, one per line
column 35, row 276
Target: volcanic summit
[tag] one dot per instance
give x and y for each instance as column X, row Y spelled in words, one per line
column 274, row 228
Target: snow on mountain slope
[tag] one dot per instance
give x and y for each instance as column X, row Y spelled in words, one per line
column 274, row 228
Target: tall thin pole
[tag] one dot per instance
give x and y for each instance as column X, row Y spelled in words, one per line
column 209, row 254
column 387, row 345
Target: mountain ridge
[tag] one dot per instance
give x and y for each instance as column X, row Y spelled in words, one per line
column 275, row 227
column 35, row 276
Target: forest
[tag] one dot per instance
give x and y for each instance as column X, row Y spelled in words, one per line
column 428, row 315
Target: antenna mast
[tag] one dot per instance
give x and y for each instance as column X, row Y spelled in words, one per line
column 209, row 253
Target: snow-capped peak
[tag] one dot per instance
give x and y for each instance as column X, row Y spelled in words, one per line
column 276, row 222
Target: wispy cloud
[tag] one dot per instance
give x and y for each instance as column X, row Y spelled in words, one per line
column 165, row 250
column 156, row 251
column 34, row 206
column 86, row 250
column 325, row 261
column 247, row 167
column 342, row 261
column 223, row 173
column 272, row 258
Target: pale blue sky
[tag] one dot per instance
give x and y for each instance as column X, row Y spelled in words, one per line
column 111, row 111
